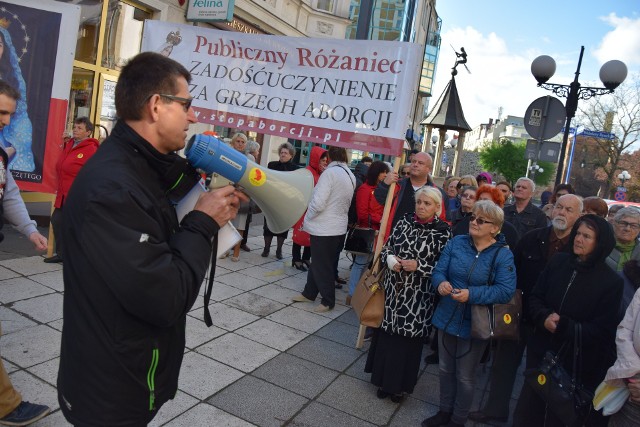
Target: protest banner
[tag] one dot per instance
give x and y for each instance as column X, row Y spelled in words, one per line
column 349, row 93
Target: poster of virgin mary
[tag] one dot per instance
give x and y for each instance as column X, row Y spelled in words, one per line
column 28, row 45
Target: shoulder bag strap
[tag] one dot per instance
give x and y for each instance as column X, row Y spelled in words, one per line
column 345, row 171
column 212, row 273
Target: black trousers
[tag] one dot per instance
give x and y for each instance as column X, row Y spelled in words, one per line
column 506, row 361
column 56, row 223
column 321, row 275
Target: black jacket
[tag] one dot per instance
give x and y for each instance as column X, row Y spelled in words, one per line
column 530, row 258
column 529, row 219
column 592, row 299
column 131, row 274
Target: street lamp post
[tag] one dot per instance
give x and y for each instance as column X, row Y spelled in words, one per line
column 624, row 176
column 612, row 73
column 533, row 169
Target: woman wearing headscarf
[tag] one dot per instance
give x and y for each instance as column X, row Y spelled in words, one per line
column 474, row 268
column 286, row 152
column 411, row 253
column 576, row 287
column 318, row 160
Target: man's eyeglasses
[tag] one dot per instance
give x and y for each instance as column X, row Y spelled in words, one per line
column 406, row 173
column 625, row 224
column 468, row 196
column 186, row 102
column 479, row 221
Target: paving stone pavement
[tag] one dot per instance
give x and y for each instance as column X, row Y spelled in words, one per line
column 265, row 362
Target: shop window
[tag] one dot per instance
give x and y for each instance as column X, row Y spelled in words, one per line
column 81, row 96
column 123, row 33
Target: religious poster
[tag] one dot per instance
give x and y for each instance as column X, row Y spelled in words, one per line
column 37, row 60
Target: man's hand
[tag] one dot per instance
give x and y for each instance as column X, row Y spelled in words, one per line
column 38, row 240
column 551, row 322
column 634, row 390
column 391, row 177
column 221, row 204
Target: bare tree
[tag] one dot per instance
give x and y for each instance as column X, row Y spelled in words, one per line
column 618, row 113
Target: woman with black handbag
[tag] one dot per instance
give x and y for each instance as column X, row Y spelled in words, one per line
column 369, row 216
column 577, row 293
column 410, row 253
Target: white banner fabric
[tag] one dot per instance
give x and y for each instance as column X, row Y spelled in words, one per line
column 348, row 93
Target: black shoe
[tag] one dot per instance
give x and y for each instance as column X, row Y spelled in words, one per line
column 299, row 265
column 341, row 281
column 279, row 254
column 245, row 248
column 397, row 398
column 307, row 263
column 25, row 414
column 53, row 259
column 338, row 285
column 439, row 419
column 265, row 253
column 432, row 359
column 382, row 394
column 481, row 417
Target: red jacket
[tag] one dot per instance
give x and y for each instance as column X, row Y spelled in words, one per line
column 69, row 163
column 367, row 207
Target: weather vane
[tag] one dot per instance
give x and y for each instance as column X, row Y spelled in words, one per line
column 461, row 58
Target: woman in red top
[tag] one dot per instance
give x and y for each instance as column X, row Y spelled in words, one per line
column 369, row 216
column 318, row 161
column 75, row 153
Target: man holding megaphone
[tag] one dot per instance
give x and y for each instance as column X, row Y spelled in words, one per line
column 134, row 272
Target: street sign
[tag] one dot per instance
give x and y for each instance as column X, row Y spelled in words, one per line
column 547, row 151
column 621, row 189
column 620, row 196
column 544, row 118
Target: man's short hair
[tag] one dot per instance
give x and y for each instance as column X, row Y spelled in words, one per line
column 529, row 180
column 145, row 75
column 84, row 121
column 8, row 90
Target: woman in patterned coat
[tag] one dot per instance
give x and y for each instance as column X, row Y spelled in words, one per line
column 410, row 254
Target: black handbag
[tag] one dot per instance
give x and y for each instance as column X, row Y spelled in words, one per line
column 565, row 396
column 360, row 240
column 497, row 321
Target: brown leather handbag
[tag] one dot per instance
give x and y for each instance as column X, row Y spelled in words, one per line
column 497, row 321
column 368, row 298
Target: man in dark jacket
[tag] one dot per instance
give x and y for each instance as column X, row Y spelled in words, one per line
column 531, row 255
column 523, row 214
column 133, row 272
column 404, row 201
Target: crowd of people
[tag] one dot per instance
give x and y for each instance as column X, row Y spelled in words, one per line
column 445, row 249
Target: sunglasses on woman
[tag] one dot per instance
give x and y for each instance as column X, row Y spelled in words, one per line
column 479, row 221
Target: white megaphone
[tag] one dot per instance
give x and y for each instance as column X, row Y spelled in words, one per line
column 282, row 196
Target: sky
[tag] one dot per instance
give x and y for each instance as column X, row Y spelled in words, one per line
column 503, row 37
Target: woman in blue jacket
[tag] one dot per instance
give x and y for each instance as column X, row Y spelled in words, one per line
column 461, row 277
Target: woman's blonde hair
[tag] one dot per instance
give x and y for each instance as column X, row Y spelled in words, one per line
column 432, row 193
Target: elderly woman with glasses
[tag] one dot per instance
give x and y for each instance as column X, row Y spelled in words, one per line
column 474, row 268
column 467, row 199
column 626, row 227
